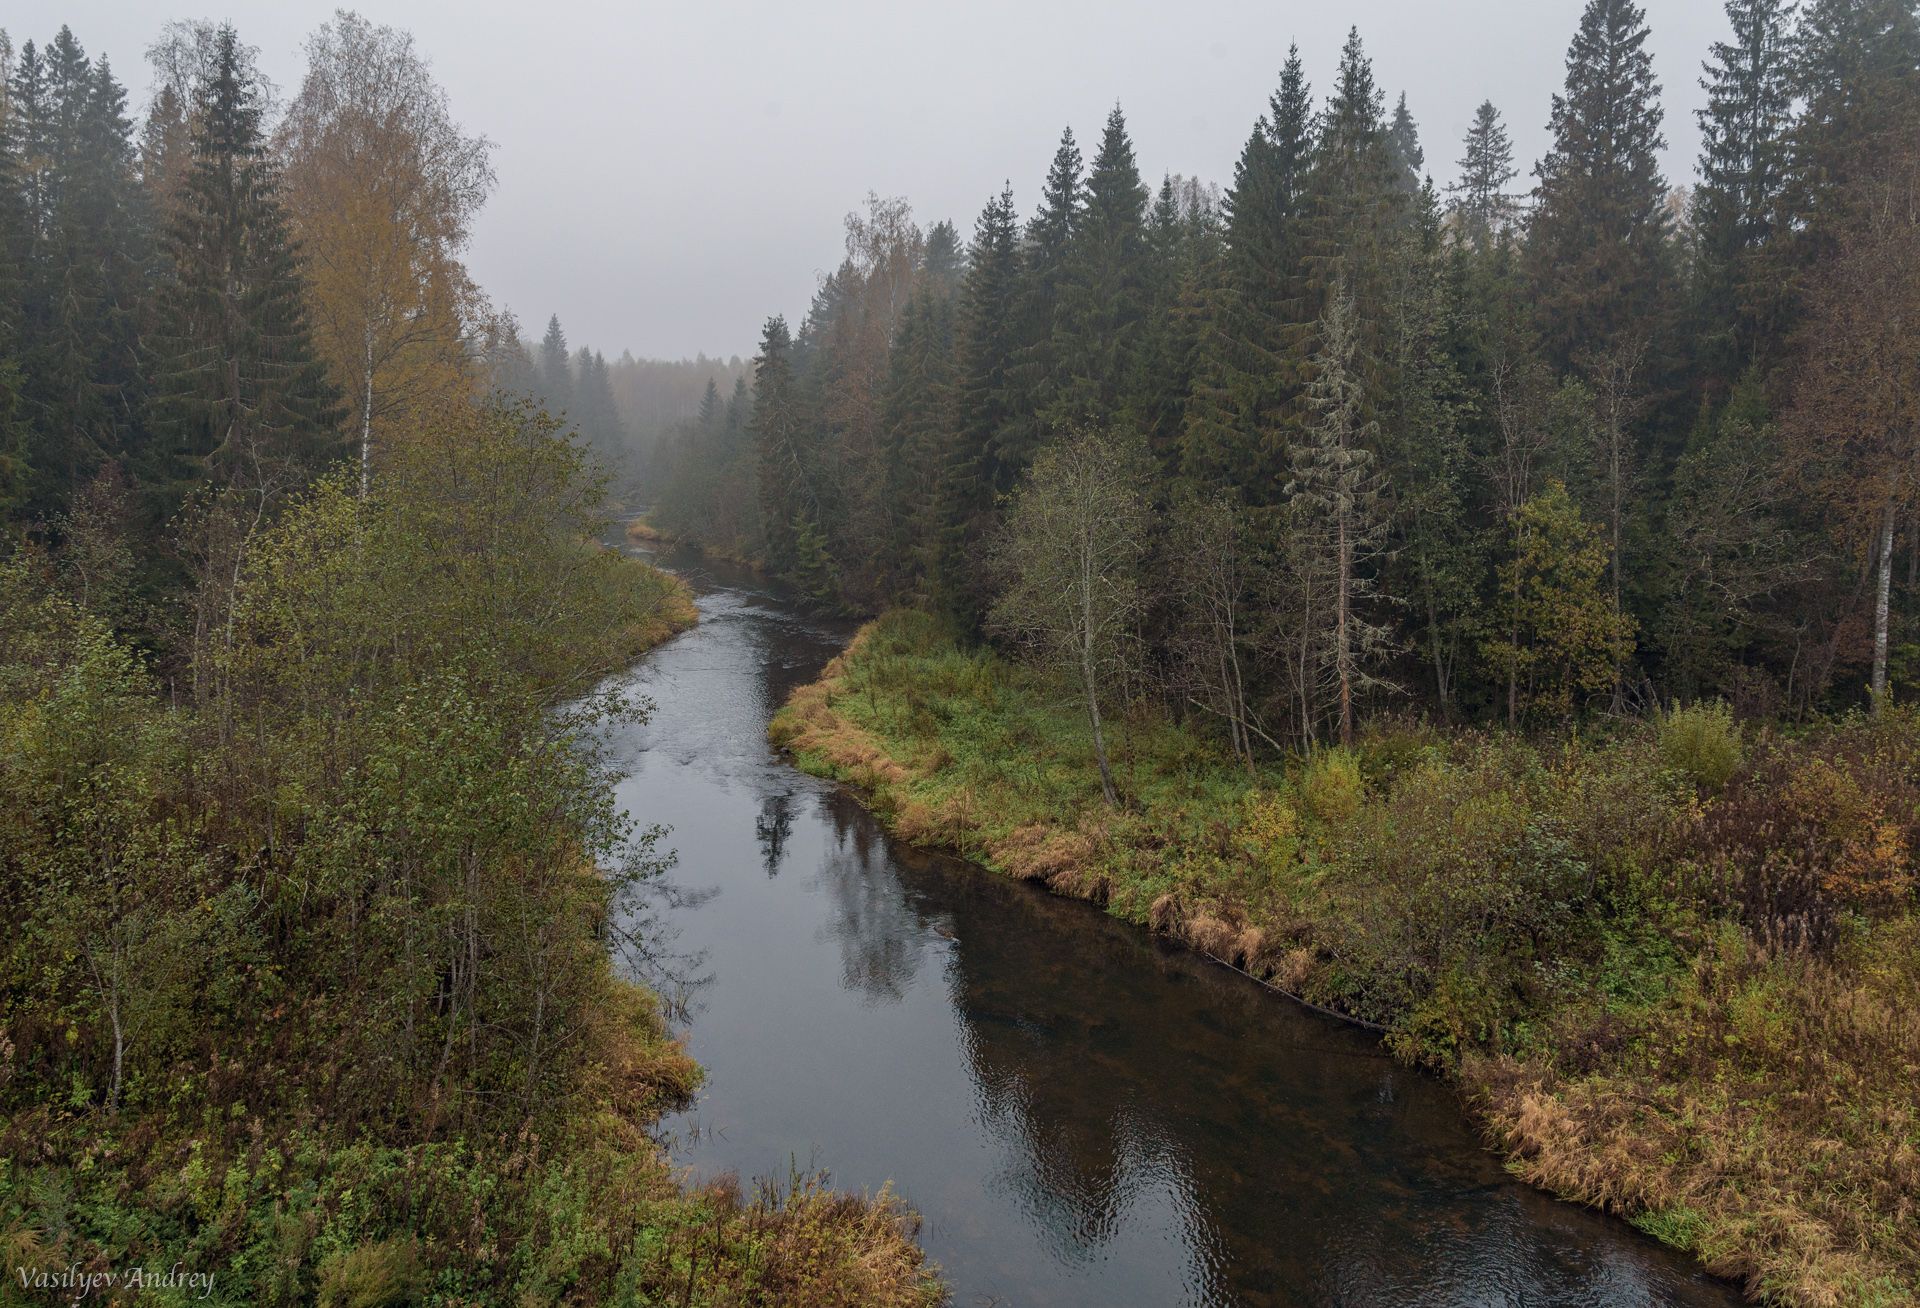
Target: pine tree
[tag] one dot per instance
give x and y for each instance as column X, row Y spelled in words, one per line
column 1739, row 205
column 1481, row 203
column 1596, row 246
column 242, row 395
column 1102, row 302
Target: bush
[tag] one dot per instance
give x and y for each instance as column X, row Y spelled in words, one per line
column 1702, row 743
column 1332, row 787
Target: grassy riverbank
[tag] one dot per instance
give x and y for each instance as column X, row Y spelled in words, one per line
column 1677, row 969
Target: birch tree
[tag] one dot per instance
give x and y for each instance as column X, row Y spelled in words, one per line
column 382, row 187
column 1070, row 558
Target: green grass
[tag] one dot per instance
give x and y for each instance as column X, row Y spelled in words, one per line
column 1675, row 967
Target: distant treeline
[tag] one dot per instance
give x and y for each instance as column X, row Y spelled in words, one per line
column 1504, row 451
column 623, row 410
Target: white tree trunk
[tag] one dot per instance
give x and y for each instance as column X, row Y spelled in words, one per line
column 1882, row 607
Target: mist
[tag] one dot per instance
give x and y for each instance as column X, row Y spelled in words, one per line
column 669, row 175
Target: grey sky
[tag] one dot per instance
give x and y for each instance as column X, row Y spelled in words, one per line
column 669, row 175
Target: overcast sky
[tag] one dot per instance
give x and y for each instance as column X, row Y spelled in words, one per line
column 669, row 175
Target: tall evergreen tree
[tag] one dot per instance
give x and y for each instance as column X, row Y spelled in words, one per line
column 1404, row 136
column 1596, row 246
column 790, row 507
column 1739, row 204
column 1250, row 369
column 987, row 402
column 1481, row 202
column 84, row 265
column 1103, row 301
column 1337, row 523
column 241, row 392
column 1047, row 253
column 1856, row 71
column 556, row 369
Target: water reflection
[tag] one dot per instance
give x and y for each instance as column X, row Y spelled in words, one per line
column 1082, row 1115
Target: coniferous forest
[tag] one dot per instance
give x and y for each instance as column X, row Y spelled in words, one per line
column 1560, row 437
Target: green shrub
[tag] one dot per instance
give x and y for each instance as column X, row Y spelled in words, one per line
column 1702, row 743
column 1332, row 787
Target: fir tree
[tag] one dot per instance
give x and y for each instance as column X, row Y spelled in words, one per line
column 1596, row 247
column 244, row 398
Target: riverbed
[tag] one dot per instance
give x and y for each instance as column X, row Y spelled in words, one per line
column 1083, row 1114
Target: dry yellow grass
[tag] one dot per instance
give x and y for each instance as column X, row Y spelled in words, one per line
column 1766, row 1116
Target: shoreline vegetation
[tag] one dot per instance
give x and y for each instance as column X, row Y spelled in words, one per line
column 642, row 532
column 1671, row 965
column 320, row 981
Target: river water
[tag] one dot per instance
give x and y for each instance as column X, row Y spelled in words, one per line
column 1083, row 1115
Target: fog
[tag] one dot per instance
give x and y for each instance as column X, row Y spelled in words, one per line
column 670, row 175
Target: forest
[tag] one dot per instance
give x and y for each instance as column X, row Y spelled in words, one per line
column 1487, row 611
column 1515, row 450
column 324, row 929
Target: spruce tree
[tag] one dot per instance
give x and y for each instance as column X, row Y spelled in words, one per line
column 1046, row 257
column 1739, row 204
column 556, row 369
column 1102, row 301
column 84, row 266
column 942, row 262
column 244, row 400
column 1337, row 521
column 987, row 402
column 1481, row 201
column 1856, row 71
column 1409, row 159
column 789, row 502
column 1596, row 246
column 1250, row 365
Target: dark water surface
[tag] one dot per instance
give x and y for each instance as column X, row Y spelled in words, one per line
column 1083, row 1115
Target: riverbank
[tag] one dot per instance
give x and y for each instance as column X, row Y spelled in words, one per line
column 1574, row 933
column 642, row 532
column 308, row 994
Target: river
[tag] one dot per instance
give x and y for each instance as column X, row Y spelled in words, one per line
column 1083, row 1114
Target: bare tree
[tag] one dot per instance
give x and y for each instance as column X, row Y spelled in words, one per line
column 1070, row 558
